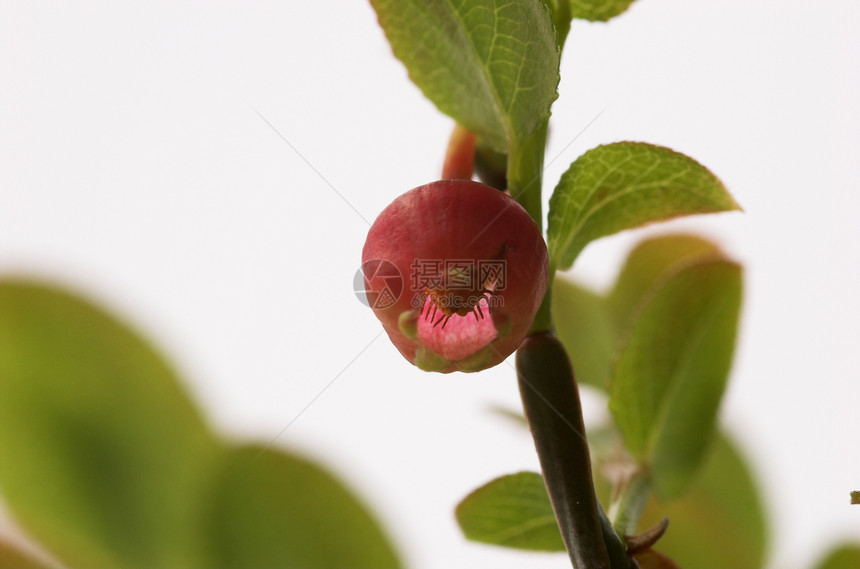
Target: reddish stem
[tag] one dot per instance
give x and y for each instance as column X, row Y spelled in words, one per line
column 460, row 156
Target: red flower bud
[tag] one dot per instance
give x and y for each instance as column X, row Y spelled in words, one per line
column 455, row 271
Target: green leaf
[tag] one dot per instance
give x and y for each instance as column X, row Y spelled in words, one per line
column 598, row 10
column 584, row 326
column 103, row 454
column 269, row 509
column 13, row 558
column 561, row 16
column 515, row 511
column 720, row 521
column 492, row 65
column 845, row 556
column 512, row 511
column 514, row 417
column 723, row 500
column 590, row 324
column 624, row 185
column 672, row 367
column 650, row 262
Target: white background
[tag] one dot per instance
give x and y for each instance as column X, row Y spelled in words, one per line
column 135, row 168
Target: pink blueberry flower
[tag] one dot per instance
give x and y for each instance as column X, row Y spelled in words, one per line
column 456, row 271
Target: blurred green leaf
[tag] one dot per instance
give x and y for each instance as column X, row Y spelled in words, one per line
column 103, row 454
column 624, row 185
column 13, row 558
column 844, row 556
column 651, row 261
column 671, row 370
column 590, row 325
column 561, row 16
column 598, row 10
column 583, row 324
column 650, row 559
column 491, row 65
column 512, row 511
column 269, row 509
column 720, row 521
column 515, row 417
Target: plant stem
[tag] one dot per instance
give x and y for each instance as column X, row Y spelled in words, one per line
column 543, row 318
column 615, row 547
column 551, row 399
column 627, row 507
column 525, row 177
column 525, row 171
column 460, row 156
column 552, row 407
